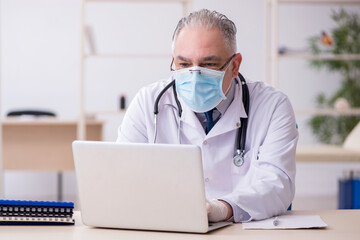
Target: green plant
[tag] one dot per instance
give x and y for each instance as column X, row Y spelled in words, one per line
column 346, row 40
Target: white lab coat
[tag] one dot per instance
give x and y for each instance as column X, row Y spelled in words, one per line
column 265, row 185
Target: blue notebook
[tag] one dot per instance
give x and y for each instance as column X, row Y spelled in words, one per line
column 19, row 212
column 356, row 193
column 345, row 193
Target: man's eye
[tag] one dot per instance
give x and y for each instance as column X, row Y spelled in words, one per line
column 183, row 65
column 210, row 65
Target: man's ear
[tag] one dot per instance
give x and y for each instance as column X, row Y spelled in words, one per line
column 236, row 64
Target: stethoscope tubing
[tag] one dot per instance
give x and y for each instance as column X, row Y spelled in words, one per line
column 241, row 133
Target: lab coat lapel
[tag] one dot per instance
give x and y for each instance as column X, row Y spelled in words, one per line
column 231, row 119
column 189, row 119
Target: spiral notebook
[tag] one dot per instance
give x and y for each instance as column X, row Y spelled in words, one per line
column 19, row 212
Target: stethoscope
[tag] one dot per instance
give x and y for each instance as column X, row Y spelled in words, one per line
column 238, row 158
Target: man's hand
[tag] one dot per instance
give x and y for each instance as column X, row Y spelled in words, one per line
column 218, row 210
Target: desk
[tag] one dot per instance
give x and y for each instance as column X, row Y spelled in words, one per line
column 43, row 144
column 343, row 224
column 326, row 153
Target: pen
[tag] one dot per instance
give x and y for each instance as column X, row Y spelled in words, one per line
column 276, row 221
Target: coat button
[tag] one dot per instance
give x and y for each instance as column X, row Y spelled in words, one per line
column 207, row 179
column 205, row 142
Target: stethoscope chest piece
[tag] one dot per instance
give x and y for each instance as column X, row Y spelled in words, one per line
column 239, row 159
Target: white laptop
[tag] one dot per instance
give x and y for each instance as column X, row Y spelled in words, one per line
column 142, row 186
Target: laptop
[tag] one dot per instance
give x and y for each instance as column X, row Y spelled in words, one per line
column 142, row 186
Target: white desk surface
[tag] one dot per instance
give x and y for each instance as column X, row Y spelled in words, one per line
column 326, row 153
column 342, row 224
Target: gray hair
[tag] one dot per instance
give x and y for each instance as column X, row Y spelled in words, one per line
column 209, row 20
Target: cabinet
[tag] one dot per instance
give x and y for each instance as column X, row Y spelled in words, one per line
column 45, row 143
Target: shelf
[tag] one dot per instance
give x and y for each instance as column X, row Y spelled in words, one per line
column 309, row 56
column 105, row 112
column 18, row 121
column 329, row 111
column 272, row 38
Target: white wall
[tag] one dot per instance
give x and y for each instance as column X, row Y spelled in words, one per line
column 40, row 46
column 40, row 67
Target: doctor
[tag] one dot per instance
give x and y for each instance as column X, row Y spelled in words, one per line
column 207, row 113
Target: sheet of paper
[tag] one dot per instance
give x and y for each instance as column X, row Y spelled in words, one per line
column 287, row 222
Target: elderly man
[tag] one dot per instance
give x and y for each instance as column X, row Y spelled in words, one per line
column 246, row 130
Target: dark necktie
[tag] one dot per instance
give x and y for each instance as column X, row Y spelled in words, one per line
column 209, row 120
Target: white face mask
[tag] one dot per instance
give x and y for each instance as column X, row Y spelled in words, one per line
column 200, row 88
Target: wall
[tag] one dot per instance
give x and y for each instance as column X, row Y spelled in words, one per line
column 40, row 68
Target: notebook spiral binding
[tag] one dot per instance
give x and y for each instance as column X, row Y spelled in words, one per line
column 21, row 212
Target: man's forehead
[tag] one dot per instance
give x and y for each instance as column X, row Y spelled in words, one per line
column 197, row 43
column 202, row 59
